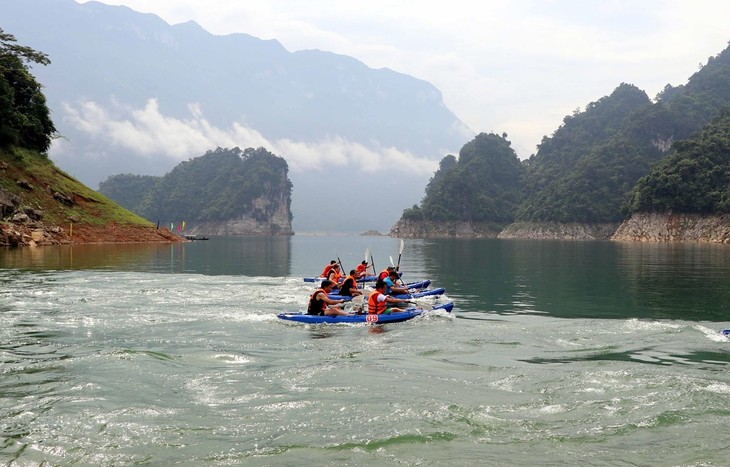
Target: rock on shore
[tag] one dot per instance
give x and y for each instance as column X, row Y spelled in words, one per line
column 655, row 227
column 559, row 231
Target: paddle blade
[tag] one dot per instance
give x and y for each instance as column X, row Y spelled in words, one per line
column 391, row 261
column 402, row 245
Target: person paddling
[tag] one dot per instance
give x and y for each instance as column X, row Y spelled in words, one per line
column 321, row 304
column 349, row 285
column 335, row 275
column 327, row 269
column 378, row 301
column 385, row 273
column 361, row 270
column 391, row 284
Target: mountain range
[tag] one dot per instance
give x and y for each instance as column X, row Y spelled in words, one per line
column 130, row 93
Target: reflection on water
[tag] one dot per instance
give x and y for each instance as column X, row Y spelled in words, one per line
column 249, row 256
column 574, row 279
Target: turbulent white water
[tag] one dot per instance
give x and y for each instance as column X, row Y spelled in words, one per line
column 113, row 367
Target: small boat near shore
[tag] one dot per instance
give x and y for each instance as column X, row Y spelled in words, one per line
column 196, row 237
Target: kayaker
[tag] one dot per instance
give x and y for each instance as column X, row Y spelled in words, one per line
column 392, row 287
column 335, row 275
column 321, row 304
column 378, row 301
column 349, row 285
column 327, row 269
column 361, row 270
column 385, row 272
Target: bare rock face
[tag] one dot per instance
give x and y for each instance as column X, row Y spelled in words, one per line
column 432, row 229
column 258, row 224
column 656, row 227
column 559, row 231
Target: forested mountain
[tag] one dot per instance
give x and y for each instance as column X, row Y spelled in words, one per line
column 129, row 190
column 220, row 186
column 482, row 186
column 587, row 170
column 695, row 178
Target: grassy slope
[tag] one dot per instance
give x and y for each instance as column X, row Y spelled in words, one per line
column 90, row 207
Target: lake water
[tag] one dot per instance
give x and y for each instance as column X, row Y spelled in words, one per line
column 556, row 353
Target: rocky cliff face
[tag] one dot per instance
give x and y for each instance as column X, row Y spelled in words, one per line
column 654, row 227
column 643, row 227
column 430, row 229
column 559, row 231
column 279, row 223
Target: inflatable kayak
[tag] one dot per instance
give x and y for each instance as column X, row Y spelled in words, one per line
column 363, row 279
column 423, row 293
column 726, row 332
column 410, row 313
column 410, row 285
column 320, row 279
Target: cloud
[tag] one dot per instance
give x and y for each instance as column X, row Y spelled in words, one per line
column 148, row 132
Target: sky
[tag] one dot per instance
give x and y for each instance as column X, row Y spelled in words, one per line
column 503, row 66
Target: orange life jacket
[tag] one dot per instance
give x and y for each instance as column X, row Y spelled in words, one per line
column 374, row 306
column 326, row 270
column 316, row 306
column 353, row 286
column 383, row 274
column 336, row 276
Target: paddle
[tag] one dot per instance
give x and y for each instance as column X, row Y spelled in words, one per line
column 342, row 268
column 421, row 304
column 358, row 303
column 400, row 253
column 372, row 262
column 368, row 256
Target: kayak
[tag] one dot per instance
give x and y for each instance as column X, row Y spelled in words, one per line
column 410, row 313
column 423, row 293
column 726, row 332
column 363, row 279
column 320, row 279
column 410, row 285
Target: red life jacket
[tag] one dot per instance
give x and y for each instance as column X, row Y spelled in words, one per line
column 383, row 274
column 327, row 270
column 374, row 306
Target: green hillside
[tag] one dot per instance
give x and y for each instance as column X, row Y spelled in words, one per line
column 221, row 185
column 695, row 178
column 482, row 185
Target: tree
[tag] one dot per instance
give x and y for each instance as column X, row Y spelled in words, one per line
column 24, row 116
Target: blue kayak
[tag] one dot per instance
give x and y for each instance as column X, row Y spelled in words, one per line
column 423, row 293
column 410, row 313
column 320, row 279
column 410, row 285
column 726, row 332
column 364, row 279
